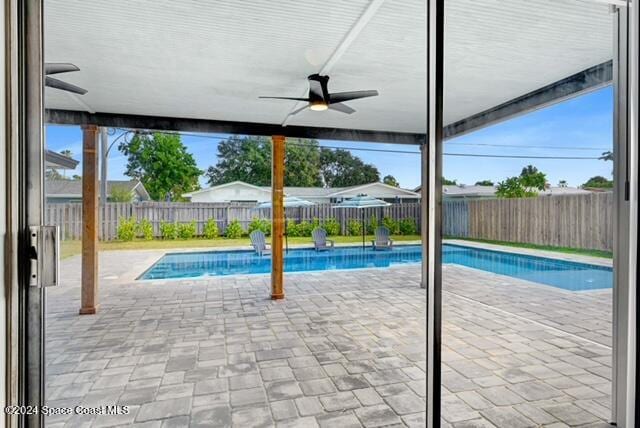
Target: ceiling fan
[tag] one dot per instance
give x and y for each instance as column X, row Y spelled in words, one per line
column 320, row 99
column 61, row 67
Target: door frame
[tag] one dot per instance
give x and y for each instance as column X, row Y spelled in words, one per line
column 25, row 197
column 431, row 165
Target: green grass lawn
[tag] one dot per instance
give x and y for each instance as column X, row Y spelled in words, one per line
column 566, row 250
column 71, row 248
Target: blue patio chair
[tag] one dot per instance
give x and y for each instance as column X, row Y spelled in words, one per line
column 382, row 241
column 259, row 243
column 320, row 241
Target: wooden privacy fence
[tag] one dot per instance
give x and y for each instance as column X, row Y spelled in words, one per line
column 577, row 221
column 69, row 215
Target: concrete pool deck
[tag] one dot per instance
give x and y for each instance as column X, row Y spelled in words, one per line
column 346, row 348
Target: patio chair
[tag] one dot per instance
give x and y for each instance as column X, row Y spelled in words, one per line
column 320, row 241
column 382, row 241
column 259, row 243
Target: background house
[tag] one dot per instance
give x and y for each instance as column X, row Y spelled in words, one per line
column 61, row 191
column 239, row 191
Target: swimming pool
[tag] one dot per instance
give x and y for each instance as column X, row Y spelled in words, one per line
column 558, row 273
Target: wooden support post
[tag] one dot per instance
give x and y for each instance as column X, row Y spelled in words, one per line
column 89, row 291
column 277, row 214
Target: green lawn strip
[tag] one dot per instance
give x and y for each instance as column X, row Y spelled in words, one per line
column 72, row 248
column 565, row 250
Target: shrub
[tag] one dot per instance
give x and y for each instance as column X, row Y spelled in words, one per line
column 332, row 226
column 315, row 223
column 187, row 230
column 169, row 230
column 407, row 226
column 260, row 224
column 373, row 225
column 234, row 230
column 390, row 224
column 305, row 228
column 354, row 228
column 126, row 229
column 145, row 229
column 292, row 229
column 211, row 229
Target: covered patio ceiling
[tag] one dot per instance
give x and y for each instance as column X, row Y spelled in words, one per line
column 202, row 65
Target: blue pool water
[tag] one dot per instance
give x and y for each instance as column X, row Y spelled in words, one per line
column 563, row 274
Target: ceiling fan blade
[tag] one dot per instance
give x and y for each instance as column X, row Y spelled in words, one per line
column 59, row 67
column 285, row 98
column 59, row 84
column 339, row 97
column 298, row 110
column 343, row 108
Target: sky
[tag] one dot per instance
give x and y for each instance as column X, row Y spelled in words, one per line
column 580, row 127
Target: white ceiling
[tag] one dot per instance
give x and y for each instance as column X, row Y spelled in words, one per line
column 211, row 59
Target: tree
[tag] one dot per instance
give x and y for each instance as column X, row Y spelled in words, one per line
column 562, row 183
column 120, row 194
column 248, row 159
column 67, row 153
column 391, row 181
column 339, row 168
column 526, row 185
column 446, row 182
column 606, row 156
column 163, row 165
column 598, row 182
column 512, row 188
column 245, row 159
column 532, row 179
column 52, row 174
column 484, row 183
column 302, row 163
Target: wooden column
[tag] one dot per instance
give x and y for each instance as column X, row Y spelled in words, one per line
column 89, row 291
column 277, row 216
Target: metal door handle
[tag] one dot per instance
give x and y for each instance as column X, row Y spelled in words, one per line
column 44, row 256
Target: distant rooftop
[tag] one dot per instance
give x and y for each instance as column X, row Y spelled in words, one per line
column 73, row 188
column 473, row 191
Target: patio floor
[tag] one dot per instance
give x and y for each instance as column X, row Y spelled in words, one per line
column 344, row 349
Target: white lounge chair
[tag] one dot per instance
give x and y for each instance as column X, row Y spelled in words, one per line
column 382, row 241
column 259, row 243
column 320, row 241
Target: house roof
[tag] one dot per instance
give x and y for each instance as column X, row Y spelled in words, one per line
column 362, row 44
column 364, row 188
column 229, row 184
column 73, row 188
column 489, row 191
column 564, row 191
column 317, row 192
column 470, row 191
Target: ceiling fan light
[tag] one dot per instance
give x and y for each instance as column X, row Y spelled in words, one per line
column 320, row 106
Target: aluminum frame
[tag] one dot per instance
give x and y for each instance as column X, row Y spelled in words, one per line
column 30, row 203
column 432, row 160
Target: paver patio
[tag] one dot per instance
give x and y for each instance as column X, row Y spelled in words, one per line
column 344, row 349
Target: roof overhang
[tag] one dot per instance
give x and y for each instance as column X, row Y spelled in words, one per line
column 56, row 160
column 201, row 68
